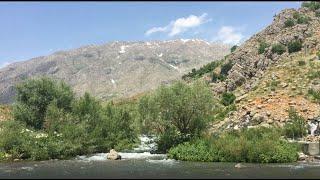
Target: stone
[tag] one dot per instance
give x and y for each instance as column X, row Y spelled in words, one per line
column 311, row 148
column 239, row 165
column 269, row 121
column 302, row 156
column 113, row 155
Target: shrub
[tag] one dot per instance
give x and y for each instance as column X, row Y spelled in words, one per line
column 303, row 20
column 289, row 23
column 314, row 94
column 225, row 68
column 215, row 77
column 294, row 46
column 301, row 63
column 313, row 5
column 296, row 127
column 233, row 48
column 278, row 48
column 227, row 98
column 318, row 54
column 34, row 96
column 260, row 145
column 181, row 109
column 203, row 70
column 262, row 47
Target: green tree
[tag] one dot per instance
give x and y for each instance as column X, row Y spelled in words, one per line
column 179, row 111
column 34, row 96
column 233, row 48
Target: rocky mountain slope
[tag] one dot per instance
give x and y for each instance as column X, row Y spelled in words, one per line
column 115, row 69
column 274, row 70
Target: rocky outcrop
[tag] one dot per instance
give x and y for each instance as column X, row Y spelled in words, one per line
column 248, row 63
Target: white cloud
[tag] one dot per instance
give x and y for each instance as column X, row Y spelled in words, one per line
column 4, row 64
column 180, row 25
column 229, row 35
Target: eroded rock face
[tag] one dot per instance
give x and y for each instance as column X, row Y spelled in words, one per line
column 248, row 63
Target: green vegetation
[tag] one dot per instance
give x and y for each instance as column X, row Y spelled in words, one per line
column 225, row 68
column 177, row 113
column 227, row 98
column 294, row 46
column 314, row 94
column 278, row 48
column 203, row 70
column 318, row 55
column 233, row 48
column 296, row 128
column 289, row 23
column 260, row 145
column 49, row 123
column 262, row 47
column 313, row 5
column 301, row 63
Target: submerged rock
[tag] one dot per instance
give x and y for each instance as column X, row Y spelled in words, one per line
column 113, row 155
column 239, row 165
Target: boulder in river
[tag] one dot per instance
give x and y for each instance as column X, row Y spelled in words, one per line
column 239, row 165
column 113, row 155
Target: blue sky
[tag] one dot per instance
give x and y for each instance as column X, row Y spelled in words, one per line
column 31, row 29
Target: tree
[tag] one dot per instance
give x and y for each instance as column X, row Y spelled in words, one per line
column 177, row 112
column 233, row 48
column 34, row 96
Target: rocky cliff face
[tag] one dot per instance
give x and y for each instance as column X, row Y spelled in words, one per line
column 267, row 84
column 250, row 65
column 116, row 69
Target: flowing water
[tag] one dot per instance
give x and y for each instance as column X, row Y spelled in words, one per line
column 142, row 164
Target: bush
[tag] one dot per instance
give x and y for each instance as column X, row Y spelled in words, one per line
column 68, row 127
column 227, row 98
column 262, row 47
column 180, row 110
column 215, row 77
column 225, row 68
column 297, row 126
column 318, row 55
column 294, row 46
column 260, row 145
column 303, row 20
column 313, row 5
column 301, row 63
column 314, row 94
column 34, row 96
column 203, row 70
column 233, row 48
column 289, row 23
column 278, row 48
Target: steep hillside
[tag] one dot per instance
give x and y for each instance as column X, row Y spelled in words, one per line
column 116, row 69
column 272, row 71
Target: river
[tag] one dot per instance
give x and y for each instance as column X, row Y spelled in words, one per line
column 142, row 164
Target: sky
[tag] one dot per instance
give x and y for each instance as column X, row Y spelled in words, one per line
column 32, row 29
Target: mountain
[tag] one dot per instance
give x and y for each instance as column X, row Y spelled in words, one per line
column 275, row 70
column 116, row 69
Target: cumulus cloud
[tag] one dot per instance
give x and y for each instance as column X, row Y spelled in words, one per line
column 229, row 35
column 180, row 25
